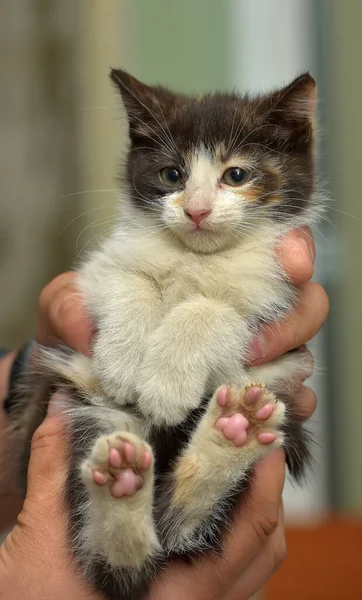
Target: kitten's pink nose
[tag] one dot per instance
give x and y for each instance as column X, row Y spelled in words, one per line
column 197, row 215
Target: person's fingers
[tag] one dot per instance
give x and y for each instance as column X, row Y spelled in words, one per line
column 255, row 521
column 62, row 315
column 264, row 565
column 297, row 255
column 305, row 402
column 258, row 518
column 296, row 329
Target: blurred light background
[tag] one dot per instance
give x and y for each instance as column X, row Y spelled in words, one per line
column 62, row 132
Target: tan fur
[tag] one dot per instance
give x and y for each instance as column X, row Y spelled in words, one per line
column 179, row 200
column 185, row 475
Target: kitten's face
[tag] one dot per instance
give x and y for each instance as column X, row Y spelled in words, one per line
column 215, row 168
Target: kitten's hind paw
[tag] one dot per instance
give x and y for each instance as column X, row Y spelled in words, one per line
column 119, row 462
column 247, row 414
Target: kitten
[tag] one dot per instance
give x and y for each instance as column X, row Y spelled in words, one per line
column 167, row 422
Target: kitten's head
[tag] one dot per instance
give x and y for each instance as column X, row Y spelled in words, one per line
column 213, row 168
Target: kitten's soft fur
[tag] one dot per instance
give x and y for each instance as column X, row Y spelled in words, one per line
column 177, row 293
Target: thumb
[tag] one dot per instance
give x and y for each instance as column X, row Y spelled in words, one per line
column 47, row 468
column 43, row 516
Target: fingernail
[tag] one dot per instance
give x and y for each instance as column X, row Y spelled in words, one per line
column 310, row 248
column 258, row 348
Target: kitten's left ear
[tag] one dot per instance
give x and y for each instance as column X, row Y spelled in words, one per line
column 293, row 107
column 142, row 102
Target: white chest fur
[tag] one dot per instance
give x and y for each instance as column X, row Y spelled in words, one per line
column 172, row 324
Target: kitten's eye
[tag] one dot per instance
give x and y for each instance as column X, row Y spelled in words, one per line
column 235, row 176
column 171, row 177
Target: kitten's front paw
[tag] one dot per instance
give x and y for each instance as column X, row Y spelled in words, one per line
column 119, row 463
column 168, row 404
column 249, row 415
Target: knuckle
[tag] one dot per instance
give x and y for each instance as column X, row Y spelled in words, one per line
column 39, row 439
column 307, row 402
column 43, row 435
column 265, row 522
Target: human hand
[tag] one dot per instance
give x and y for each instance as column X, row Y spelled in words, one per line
column 296, row 254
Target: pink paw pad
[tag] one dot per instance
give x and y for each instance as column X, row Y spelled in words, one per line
column 123, row 470
column 266, row 438
column 99, row 477
column 252, row 395
column 264, row 413
column 127, row 482
column 235, row 427
column 222, row 396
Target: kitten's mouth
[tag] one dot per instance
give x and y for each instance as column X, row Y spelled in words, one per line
column 199, row 228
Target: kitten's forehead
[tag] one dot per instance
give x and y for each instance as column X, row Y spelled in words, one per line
column 211, row 123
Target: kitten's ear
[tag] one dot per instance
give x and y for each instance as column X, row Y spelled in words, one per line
column 141, row 102
column 293, row 108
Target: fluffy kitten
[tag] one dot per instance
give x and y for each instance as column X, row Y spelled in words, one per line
column 177, row 293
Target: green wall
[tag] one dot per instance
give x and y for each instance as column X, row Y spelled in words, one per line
column 184, row 44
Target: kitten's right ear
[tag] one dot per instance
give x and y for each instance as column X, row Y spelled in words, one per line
column 293, row 108
column 140, row 101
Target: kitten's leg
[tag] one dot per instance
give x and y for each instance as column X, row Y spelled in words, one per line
column 119, row 477
column 110, row 492
column 240, row 426
column 197, row 338
column 118, row 344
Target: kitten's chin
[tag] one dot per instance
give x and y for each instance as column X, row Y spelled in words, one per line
column 204, row 241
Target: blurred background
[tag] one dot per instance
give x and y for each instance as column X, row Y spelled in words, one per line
column 62, row 133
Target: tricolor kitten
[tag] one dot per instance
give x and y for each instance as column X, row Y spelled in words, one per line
column 167, row 422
